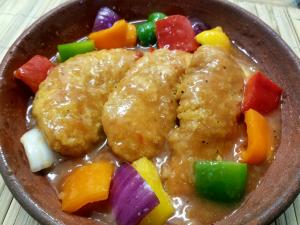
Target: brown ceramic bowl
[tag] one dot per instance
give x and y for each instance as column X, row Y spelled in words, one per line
column 72, row 20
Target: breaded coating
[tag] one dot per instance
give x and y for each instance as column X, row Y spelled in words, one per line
column 210, row 96
column 69, row 103
column 142, row 110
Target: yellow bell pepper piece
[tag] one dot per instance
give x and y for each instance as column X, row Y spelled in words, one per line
column 87, row 184
column 259, row 138
column 214, row 37
column 160, row 214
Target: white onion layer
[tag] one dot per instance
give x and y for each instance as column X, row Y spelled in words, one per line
column 38, row 153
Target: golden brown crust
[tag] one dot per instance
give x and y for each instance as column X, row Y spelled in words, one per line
column 69, row 102
column 142, row 110
column 210, row 96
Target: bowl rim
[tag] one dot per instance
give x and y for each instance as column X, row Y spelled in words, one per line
column 43, row 217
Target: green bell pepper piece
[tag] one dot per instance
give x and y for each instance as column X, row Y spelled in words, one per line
column 146, row 33
column 69, row 50
column 153, row 17
column 220, row 180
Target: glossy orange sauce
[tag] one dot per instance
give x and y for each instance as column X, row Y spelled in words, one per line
column 190, row 208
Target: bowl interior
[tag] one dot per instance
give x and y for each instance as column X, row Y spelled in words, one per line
column 73, row 20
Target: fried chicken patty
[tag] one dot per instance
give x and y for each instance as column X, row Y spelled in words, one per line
column 210, row 95
column 68, row 105
column 142, row 110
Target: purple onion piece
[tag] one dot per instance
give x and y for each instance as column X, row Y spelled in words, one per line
column 131, row 196
column 198, row 25
column 105, row 19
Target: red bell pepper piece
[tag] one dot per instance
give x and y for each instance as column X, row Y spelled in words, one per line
column 34, row 71
column 261, row 94
column 176, row 33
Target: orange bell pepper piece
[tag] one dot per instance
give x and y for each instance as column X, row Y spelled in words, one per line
column 87, row 184
column 131, row 36
column 259, row 138
column 113, row 37
column 120, row 35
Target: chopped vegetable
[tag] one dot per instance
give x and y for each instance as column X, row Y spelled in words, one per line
column 87, row 184
column 160, row 214
column 215, row 37
column 34, row 71
column 114, row 37
column 221, row 180
column 38, row 153
column 146, row 33
column 153, row 17
column 259, row 138
column 261, row 94
column 198, row 25
column 69, row 50
column 131, row 197
column 131, row 36
column 176, row 32
column 105, row 19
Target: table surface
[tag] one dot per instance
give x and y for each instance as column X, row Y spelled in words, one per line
column 16, row 15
